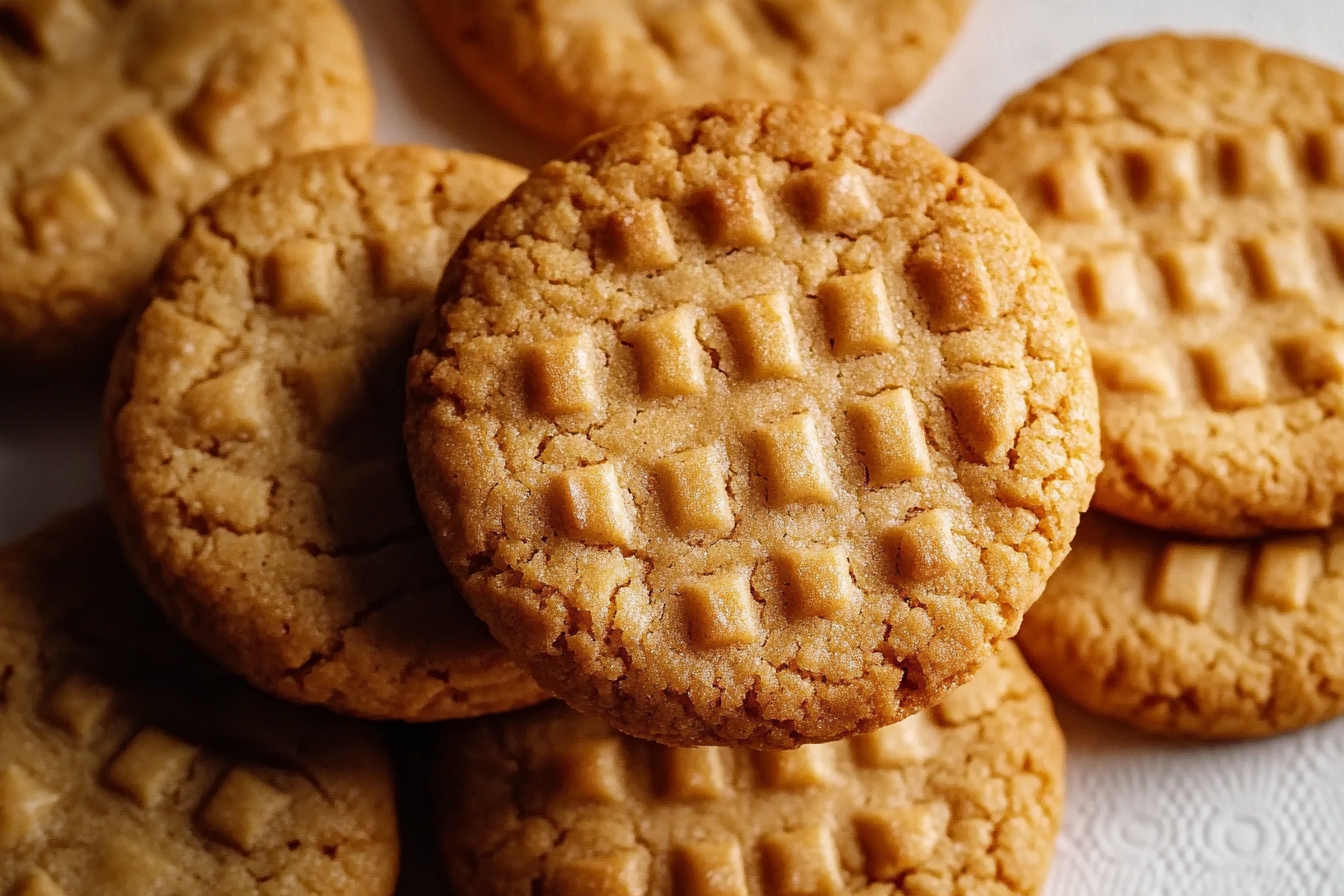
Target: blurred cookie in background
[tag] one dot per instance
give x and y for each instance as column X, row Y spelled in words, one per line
column 571, row 68
column 130, row 765
column 118, row 119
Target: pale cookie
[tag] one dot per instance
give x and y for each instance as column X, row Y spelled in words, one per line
column 130, row 767
column 570, row 68
column 118, row 118
column 254, row 449
column 1192, row 192
column 754, row 425
column 1218, row 639
column 962, row 799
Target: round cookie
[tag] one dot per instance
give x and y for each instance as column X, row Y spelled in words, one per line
column 759, row 424
column 1214, row 639
column 130, row 767
column 571, row 68
column 963, row 798
column 118, row 119
column 1192, row 191
column 254, row 450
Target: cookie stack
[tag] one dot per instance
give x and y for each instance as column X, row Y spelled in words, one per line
column 1189, row 190
column 750, row 429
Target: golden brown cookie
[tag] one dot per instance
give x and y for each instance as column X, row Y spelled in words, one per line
column 570, row 68
column 1192, row 192
column 130, row 767
column 117, row 119
column 754, row 425
column 963, row 798
column 254, row 448
column 1225, row 639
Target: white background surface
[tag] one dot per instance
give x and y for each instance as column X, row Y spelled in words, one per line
column 1145, row 817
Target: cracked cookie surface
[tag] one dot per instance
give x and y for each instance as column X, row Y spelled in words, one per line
column 1192, row 192
column 118, row 119
column 571, row 68
column 131, row 767
column 962, row 798
column 1219, row 639
column 755, row 425
column 253, row 437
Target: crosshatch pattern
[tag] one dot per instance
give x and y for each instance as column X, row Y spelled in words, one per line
column 106, row 776
column 751, row 406
column 1284, row 288
column 150, row 129
column 1204, row 638
column 1202, row 238
column 581, row 70
column 952, row 800
column 255, row 412
column 562, row 374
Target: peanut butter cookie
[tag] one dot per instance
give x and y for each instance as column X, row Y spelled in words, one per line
column 965, row 798
column 254, row 447
column 131, row 767
column 759, row 424
column 1192, row 192
column 117, row 119
column 1201, row 638
column 570, row 68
